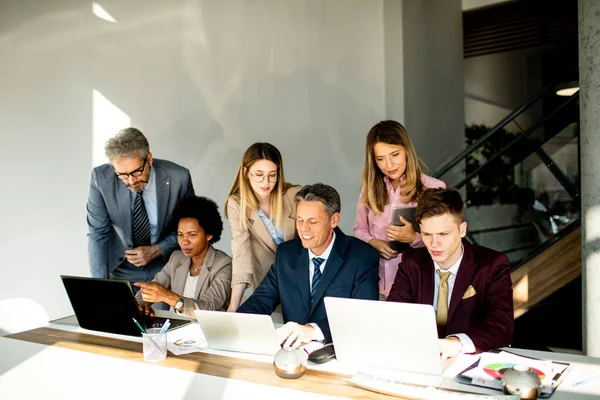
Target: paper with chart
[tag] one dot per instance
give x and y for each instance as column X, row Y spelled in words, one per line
column 491, row 367
column 188, row 339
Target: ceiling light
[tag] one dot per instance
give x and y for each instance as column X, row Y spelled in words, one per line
column 567, row 89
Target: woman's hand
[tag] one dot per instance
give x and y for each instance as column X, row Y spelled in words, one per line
column 146, row 309
column 383, row 248
column 153, row 292
column 404, row 234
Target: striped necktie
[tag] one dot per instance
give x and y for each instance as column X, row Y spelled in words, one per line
column 141, row 225
column 317, row 261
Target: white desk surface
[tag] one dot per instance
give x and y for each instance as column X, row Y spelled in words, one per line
column 34, row 371
column 31, row 370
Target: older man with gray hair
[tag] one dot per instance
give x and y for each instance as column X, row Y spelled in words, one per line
column 129, row 209
column 322, row 262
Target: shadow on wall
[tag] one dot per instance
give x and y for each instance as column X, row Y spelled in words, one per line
column 208, row 94
column 202, row 79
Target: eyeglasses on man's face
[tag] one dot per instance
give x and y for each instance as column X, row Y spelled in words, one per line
column 135, row 173
column 259, row 177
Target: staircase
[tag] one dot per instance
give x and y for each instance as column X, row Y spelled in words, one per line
column 522, row 193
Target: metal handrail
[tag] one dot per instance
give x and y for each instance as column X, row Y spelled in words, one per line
column 465, row 153
column 549, row 242
column 516, row 140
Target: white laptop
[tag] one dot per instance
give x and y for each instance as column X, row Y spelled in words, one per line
column 384, row 334
column 246, row 333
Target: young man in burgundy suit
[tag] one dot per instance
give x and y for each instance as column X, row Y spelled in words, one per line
column 468, row 285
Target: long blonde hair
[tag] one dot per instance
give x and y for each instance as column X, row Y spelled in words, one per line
column 374, row 193
column 241, row 188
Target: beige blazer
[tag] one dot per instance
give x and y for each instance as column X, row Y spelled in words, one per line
column 214, row 282
column 254, row 249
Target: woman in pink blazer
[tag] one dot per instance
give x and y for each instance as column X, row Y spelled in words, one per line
column 392, row 177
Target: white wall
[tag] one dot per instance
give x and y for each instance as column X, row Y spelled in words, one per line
column 425, row 77
column 202, row 79
column 497, row 84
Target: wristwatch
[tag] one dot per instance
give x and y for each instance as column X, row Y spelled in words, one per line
column 179, row 305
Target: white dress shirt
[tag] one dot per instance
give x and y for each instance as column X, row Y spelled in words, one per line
column 465, row 340
column 311, row 272
column 189, row 290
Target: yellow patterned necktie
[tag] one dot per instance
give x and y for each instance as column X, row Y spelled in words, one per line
column 442, row 302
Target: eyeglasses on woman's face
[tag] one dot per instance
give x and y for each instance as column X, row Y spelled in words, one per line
column 259, row 176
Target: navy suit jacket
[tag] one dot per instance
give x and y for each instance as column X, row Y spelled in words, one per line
column 486, row 316
column 351, row 271
column 109, row 215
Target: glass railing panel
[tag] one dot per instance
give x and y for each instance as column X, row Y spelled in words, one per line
column 516, row 209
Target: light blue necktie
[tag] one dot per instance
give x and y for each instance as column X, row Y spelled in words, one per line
column 317, row 275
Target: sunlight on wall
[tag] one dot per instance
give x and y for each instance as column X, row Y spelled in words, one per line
column 521, row 295
column 592, row 224
column 107, row 119
column 101, row 13
column 21, row 314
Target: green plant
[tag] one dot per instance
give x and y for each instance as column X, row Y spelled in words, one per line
column 497, row 176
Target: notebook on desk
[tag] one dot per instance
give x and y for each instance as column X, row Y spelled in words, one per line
column 108, row 305
column 382, row 334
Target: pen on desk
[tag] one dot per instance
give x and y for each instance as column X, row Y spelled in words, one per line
column 585, row 381
column 139, row 326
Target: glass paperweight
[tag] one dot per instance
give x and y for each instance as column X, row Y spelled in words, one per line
column 290, row 363
column 523, row 381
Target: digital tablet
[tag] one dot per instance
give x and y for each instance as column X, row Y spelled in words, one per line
column 409, row 213
column 406, row 212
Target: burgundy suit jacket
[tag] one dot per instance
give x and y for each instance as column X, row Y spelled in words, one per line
column 487, row 316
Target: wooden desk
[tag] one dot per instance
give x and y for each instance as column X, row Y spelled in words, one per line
column 317, row 382
column 114, row 365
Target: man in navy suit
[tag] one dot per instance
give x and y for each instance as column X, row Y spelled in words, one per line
column 322, row 262
column 129, row 210
column 468, row 285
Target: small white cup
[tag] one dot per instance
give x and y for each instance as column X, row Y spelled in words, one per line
column 155, row 345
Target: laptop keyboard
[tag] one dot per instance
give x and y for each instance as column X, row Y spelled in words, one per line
column 157, row 322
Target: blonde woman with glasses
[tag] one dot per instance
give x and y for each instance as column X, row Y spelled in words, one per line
column 262, row 214
column 392, row 176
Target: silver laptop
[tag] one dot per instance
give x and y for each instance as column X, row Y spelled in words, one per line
column 246, row 333
column 384, row 334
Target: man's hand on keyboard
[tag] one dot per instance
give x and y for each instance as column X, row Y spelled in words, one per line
column 293, row 334
column 449, row 347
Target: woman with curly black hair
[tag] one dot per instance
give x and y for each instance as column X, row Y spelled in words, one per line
column 197, row 277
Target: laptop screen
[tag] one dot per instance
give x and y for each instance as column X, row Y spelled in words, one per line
column 108, row 306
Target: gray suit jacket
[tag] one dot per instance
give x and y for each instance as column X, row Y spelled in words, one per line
column 214, row 282
column 109, row 215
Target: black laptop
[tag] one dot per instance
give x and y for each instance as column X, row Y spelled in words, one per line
column 108, row 305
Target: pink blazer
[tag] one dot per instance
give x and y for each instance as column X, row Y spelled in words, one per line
column 369, row 226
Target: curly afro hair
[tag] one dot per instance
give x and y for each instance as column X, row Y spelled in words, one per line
column 204, row 210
